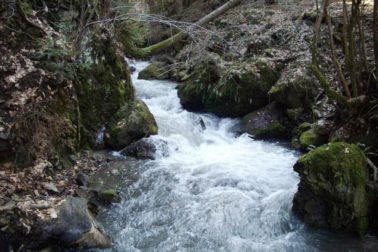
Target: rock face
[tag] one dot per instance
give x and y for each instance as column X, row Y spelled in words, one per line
column 75, row 226
column 228, row 89
column 130, row 123
column 156, row 70
column 267, row 122
column 331, row 192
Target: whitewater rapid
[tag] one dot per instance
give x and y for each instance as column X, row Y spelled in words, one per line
column 209, row 189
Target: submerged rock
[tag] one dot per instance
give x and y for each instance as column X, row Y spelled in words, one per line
column 331, row 192
column 130, row 123
column 140, row 149
column 156, row 70
column 266, row 122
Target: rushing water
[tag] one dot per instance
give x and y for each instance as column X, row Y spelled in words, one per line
column 211, row 189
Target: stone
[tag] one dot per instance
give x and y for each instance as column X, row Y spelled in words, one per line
column 104, row 197
column 141, row 149
column 76, row 227
column 50, row 187
column 331, row 192
column 156, row 70
column 131, row 123
column 228, row 89
column 296, row 88
column 82, row 179
column 313, row 137
column 266, row 123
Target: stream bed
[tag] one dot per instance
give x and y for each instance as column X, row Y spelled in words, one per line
column 211, row 189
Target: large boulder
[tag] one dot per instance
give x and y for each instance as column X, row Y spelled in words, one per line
column 331, row 192
column 75, row 226
column 265, row 123
column 156, row 70
column 199, row 82
column 132, row 122
column 230, row 89
column 296, row 88
column 107, row 80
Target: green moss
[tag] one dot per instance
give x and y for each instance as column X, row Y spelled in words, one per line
column 102, row 88
column 294, row 91
column 232, row 91
column 132, row 122
column 311, row 138
column 273, row 130
column 336, row 174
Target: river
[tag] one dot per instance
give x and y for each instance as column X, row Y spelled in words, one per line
column 212, row 189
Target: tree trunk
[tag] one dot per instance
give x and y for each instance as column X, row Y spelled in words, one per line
column 375, row 30
column 158, row 47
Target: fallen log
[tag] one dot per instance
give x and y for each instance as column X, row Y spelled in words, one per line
column 158, row 47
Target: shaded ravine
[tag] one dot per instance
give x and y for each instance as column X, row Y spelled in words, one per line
column 211, row 189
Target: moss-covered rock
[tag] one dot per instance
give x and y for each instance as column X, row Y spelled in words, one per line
column 156, row 70
column 228, row 89
column 308, row 135
column 331, row 192
column 204, row 75
column 312, row 137
column 102, row 88
column 267, row 122
column 132, row 122
column 296, row 87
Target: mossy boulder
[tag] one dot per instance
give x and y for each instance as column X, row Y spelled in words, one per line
column 102, row 88
column 200, row 80
column 156, row 70
column 265, row 123
column 312, row 137
column 229, row 89
column 331, row 192
column 308, row 135
column 132, row 122
column 296, row 88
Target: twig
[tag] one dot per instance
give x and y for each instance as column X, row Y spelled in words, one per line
column 375, row 169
